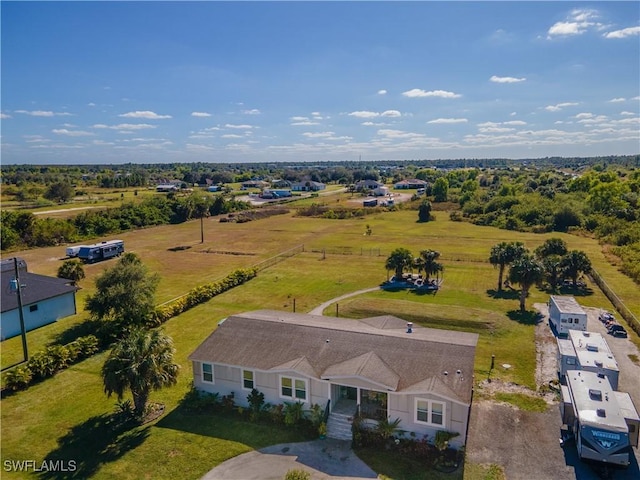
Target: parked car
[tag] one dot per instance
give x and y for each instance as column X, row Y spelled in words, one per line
column 617, row 331
column 604, row 316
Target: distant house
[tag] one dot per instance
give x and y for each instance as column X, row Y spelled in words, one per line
column 386, row 367
column 44, row 299
column 307, row 186
column 412, row 183
column 167, row 187
column 368, row 185
column 380, row 191
column 254, row 184
column 280, row 183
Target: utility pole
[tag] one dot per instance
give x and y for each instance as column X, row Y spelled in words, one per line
column 20, row 312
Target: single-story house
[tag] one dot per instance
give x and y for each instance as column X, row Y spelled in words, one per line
column 382, row 191
column 386, row 367
column 368, row 185
column 167, row 187
column 308, row 186
column 254, row 184
column 280, row 183
column 44, row 299
column 412, row 183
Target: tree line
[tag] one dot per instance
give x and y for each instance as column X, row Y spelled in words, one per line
column 24, row 229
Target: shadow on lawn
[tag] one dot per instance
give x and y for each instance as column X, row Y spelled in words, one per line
column 526, row 318
column 88, row 327
column 101, row 439
column 509, row 294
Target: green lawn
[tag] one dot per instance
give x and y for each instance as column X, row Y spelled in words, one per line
column 55, row 417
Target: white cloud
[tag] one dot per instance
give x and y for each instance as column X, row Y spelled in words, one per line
column 200, row 114
column 364, row 114
column 44, row 113
column 372, row 124
column 559, row 106
column 91, row 104
column 304, row 123
column 253, row 111
column 627, row 113
column 618, row 100
column 584, row 115
column 577, row 23
column 71, row 133
column 4, row 116
column 319, row 134
column 497, row 79
column 418, row 93
column 514, row 122
column 144, row 114
column 382, row 92
column 398, row 134
column 125, row 126
column 239, row 127
column 449, row 120
column 391, row 113
column 624, row 33
column 299, row 119
column 231, row 135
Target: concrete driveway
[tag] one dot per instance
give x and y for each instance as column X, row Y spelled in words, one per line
column 323, row 459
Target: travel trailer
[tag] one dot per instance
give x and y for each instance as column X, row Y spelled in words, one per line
column 101, row 251
column 566, row 314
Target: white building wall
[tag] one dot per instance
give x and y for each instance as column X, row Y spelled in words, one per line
column 47, row 311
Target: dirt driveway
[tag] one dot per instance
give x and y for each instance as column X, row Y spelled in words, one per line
column 526, row 444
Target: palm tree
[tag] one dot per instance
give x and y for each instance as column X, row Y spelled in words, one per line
column 71, row 270
column 551, row 246
column 427, row 263
column 551, row 264
column 503, row 254
column 398, row 260
column 525, row 271
column 574, row 263
column 140, row 362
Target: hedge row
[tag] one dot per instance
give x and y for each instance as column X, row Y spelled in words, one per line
column 46, row 363
column 200, row 295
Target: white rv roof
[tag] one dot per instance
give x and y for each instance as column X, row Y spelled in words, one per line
column 627, row 407
column 565, row 347
column 567, row 304
column 595, row 401
column 592, row 350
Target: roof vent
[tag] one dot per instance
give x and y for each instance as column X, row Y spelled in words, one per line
column 459, row 372
column 409, row 327
column 446, row 373
column 595, row 394
column 586, row 334
column 591, row 347
column 598, row 363
column 601, row 412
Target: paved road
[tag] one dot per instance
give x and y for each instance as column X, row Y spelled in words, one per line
column 323, row 459
column 319, row 309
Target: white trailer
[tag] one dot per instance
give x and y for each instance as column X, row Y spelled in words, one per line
column 73, row 252
column 566, row 314
column 591, row 411
column 587, row 351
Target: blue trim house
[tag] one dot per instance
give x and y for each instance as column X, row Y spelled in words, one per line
column 44, row 300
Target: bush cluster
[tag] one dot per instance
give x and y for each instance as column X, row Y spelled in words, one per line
column 201, row 294
column 46, row 363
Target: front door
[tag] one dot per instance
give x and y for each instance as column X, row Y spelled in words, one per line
column 348, row 393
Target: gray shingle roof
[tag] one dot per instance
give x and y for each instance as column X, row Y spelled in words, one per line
column 37, row 289
column 378, row 349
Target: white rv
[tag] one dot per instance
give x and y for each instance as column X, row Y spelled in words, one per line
column 587, row 351
column 566, row 314
column 603, row 429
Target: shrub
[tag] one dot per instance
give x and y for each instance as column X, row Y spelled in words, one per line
column 293, row 413
column 297, row 474
column 19, row 378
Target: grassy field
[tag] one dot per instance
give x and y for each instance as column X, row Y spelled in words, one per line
column 55, row 417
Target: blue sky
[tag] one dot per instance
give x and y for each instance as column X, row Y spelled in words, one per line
column 150, row 82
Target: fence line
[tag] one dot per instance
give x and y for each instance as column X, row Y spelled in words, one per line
column 622, row 309
column 377, row 252
column 258, row 266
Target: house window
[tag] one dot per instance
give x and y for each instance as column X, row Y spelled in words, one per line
column 207, row 373
column 247, row 380
column 293, row 388
column 429, row 412
column 33, row 308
